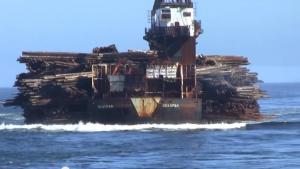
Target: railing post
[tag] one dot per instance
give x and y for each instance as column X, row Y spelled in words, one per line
column 182, row 76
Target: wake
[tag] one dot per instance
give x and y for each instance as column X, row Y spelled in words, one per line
column 94, row 127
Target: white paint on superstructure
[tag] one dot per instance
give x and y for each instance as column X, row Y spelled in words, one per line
column 165, row 71
column 175, row 16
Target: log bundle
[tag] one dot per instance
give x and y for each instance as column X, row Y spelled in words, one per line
column 53, row 96
column 229, row 89
column 59, row 85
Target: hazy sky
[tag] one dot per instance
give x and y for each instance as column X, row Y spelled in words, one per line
column 266, row 31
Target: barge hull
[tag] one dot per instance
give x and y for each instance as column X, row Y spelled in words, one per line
column 146, row 109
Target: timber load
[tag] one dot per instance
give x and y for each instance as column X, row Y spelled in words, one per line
column 59, row 85
column 229, row 89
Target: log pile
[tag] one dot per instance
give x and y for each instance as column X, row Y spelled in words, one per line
column 53, row 95
column 58, row 83
column 45, row 63
column 109, row 49
column 229, row 89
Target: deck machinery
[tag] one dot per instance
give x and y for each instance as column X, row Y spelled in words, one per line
column 168, row 83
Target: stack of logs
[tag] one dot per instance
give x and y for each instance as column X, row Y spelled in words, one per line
column 58, row 84
column 229, row 89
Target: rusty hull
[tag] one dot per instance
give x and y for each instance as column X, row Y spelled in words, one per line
column 146, row 109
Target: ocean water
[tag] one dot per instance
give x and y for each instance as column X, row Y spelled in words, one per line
column 269, row 144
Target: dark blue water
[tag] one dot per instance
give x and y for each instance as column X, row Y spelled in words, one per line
column 270, row 145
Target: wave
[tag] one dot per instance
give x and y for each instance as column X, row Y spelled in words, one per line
column 4, row 117
column 274, row 125
column 93, row 127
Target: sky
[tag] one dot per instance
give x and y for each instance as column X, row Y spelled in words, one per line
column 265, row 31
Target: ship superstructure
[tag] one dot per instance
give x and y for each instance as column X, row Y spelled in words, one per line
column 174, row 30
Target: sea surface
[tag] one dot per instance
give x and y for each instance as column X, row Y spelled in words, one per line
column 269, row 144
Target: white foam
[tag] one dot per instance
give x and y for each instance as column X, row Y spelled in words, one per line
column 92, row 127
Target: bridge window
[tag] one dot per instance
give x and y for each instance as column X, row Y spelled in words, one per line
column 166, row 11
column 187, row 14
column 166, row 14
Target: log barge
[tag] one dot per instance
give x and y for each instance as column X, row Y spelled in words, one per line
column 168, row 84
